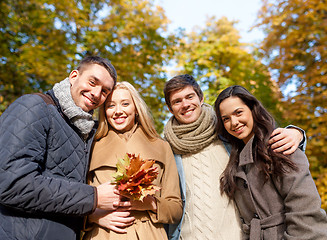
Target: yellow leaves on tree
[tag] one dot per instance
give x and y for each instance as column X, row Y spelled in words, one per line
column 321, row 183
column 42, row 41
column 216, row 58
column 134, row 177
column 295, row 47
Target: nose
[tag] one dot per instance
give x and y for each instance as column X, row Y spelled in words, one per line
column 118, row 110
column 96, row 92
column 185, row 103
column 234, row 121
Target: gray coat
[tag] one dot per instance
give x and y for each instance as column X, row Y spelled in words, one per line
column 289, row 208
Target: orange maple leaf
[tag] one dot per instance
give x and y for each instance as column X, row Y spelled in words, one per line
column 134, row 177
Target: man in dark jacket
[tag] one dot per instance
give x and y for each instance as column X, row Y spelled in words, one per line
column 44, row 157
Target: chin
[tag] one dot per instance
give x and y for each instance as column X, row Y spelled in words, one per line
column 190, row 120
column 86, row 109
column 118, row 128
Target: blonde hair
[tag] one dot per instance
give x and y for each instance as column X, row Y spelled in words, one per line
column 144, row 117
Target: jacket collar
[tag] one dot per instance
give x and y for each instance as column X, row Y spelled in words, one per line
column 59, row 109
column 246, row 156
column 110, row 148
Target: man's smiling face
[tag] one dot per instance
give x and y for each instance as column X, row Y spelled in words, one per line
column 186, row 105
column 90, row 87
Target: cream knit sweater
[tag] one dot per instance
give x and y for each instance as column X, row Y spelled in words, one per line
column 209, row 215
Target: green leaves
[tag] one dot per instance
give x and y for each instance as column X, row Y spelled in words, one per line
column 217, row 59
column 122, row 165
column 42, row 41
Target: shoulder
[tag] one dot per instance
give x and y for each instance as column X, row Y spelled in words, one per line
column 161, row 147
column 29, row 105
column 27, row 118
column 161, row 143
column 27, row 100
column 32, row 98
column 300, row 159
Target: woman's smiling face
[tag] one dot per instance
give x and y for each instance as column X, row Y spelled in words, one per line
column 237, row 118
column 120, row 110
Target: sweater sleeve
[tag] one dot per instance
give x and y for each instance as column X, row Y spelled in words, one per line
column 23, row 144
column 169, row 203
column 304, row 217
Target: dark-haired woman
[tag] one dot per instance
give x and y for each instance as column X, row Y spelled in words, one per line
column 275, row 194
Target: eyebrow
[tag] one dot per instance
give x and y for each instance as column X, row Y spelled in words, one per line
column 176, row 99
column 233, row 111
column 98, row 80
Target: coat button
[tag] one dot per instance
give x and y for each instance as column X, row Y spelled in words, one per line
column 256, row 216
column 245, row 184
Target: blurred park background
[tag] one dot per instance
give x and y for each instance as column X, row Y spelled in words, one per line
column 41, row 41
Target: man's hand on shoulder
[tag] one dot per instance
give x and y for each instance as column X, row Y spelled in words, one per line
column 285, row 140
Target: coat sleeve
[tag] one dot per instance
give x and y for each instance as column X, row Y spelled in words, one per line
column 23, row 143
column 303, row 143
column 304, row 217
column 169, row 203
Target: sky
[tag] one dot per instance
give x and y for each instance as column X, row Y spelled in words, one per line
column 189, row 13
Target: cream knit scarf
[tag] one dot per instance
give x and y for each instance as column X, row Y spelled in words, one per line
column 192, row 137
column 80, row 119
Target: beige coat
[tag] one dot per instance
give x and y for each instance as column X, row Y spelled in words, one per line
column 148, row 225
column 289, row 208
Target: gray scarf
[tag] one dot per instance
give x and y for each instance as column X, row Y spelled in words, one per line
column 80, row 119
column 192, row 137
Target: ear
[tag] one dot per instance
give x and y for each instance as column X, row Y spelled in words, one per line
column 170, row 110
column 73, row 76
column 202, row 100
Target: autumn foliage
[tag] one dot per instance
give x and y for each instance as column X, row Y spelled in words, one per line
column 295, row 47
column 134, row 177
column 42, row 41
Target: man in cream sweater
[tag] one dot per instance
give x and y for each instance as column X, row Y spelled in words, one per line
column 201, row 157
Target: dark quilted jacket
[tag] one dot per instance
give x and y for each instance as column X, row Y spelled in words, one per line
column 43, row 166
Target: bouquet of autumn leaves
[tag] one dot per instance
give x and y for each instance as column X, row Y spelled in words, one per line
column 134, row 177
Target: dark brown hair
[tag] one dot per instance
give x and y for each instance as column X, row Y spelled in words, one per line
column 100, row 61
column 270, row 163
column 178, row 83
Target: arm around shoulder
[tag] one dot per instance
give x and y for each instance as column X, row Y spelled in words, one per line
column 287, row 140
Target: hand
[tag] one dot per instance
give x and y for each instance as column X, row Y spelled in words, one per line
column 109, row 198
column 285, row 140
column 116, row 220
column 149, row 203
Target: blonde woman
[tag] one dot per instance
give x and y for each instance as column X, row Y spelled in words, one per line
column 126, row 126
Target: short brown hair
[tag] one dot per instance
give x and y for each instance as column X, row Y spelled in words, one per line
column 178, row 83
column 100, row 61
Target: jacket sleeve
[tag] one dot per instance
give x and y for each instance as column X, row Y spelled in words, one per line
column 304, row 217
column 303, row 143
column 23, row 143
column 169, row 203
